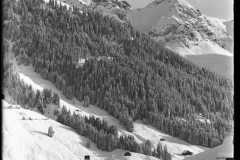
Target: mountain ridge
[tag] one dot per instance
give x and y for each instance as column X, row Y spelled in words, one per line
column 184, row 29
column 177, row 22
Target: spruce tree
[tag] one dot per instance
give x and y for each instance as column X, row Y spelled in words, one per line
column 86, row 101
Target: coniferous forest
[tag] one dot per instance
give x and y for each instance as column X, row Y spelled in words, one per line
column 99, row 131
column 141, row 80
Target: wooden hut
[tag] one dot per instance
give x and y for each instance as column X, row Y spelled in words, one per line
column 87, row 157
column 127, row 154
column 186, row 153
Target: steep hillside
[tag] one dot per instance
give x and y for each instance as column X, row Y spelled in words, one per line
column 25, row 138
column 175, row 22
column 112, row 8
column 124, row 72
column 230, row 27
column 226, row 149
column 178, row 25
column 141, row 132
column 221, row 64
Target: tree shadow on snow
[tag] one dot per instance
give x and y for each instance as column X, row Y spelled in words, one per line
column 42, row 133
column 68, row 128
column 179, row 154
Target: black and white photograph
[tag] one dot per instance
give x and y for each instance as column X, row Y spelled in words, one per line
column 118, row 80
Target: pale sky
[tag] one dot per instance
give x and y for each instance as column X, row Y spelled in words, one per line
column 215, row 8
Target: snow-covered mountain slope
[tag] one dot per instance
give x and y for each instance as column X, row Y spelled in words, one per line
column 221, row 64
column 25, row 138
column 141, row 131
column 230, row 29
column 229, row 26
column 183, row 29
column 111, row 8
column 174, row 145
column 225, row 149
column 175, row 22
column 178, row 25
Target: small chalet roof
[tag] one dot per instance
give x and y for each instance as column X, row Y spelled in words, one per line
column 127, row 153
column 87, row 157
column 185, row 151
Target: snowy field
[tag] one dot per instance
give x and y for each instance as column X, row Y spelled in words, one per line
column 141, row 131
column 212, row 154
column 204, row 48
column 26, row 139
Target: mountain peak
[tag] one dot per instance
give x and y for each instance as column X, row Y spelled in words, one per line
column 159, row 2
column 177, row 23
column 120, row 4
column 178, row 6
column 113, row 8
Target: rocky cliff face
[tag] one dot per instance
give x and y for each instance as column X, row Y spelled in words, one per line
column 112, row 8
